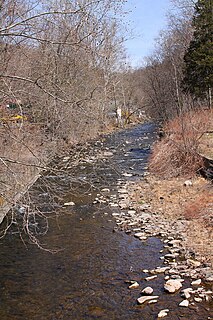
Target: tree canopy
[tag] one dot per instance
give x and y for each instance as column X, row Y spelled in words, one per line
column 198, row 71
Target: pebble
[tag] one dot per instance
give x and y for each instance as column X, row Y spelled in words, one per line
column 141, row 300
column 163, row 313
column 150, row 278
column 188, row 183
column 196, row 282
column 172, row 286
column 186, row 293
column 147, row 291
column 198, row 299
column 184, row 303
column 135, row 285
column 139, row 234
column 69, row 203
column 152, row 301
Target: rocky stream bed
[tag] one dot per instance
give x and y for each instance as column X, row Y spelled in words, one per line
column 115, row 261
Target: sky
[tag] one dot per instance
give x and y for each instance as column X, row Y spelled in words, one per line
column 146, row 19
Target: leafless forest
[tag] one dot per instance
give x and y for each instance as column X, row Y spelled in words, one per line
column 64, row 74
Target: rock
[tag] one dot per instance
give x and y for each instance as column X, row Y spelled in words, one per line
column 105, row 190
column 139, row 234
column 172, row 286
column 131, row 212
column 152, row 301
column 163, row 313
column 150, row 278
column 209, row 279
column 141, row 300
column 115, row 214
column 135, row 285
column 65, row 159
column 198, row 299
column 188, row 183
column 145, row 270
column 196, row 282
column 107, row 154
column 126, row 174
column 161, row 270
column 171, row 255
column 194, row 263
column 184, row 303
column 147, row 291
column 186, row 293
column 71, row 203
column 143, row 238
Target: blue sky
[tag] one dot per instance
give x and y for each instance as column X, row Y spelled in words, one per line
column 146, row 19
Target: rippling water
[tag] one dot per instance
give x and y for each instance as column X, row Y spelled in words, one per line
column 87, row 278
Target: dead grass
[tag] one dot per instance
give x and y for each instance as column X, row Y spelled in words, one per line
column 178, row 152
column 172, row 200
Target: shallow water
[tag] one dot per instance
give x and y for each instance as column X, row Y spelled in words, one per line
column 87, row 278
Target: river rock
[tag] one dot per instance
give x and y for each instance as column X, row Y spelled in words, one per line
column 71, row 203
column 160, row 269
column 135, row 285
column 194, row 263
column 186, row 293
column 172, row 286
column 152, row 301
column 141, row 300
column 196, row 282
column 198, row 299
column 150, row 278
column 147, row 291
column 184, row 303
column 209, row 279
column 188, row 183
column 163, row 313
column 108, row 154
column 139, row 234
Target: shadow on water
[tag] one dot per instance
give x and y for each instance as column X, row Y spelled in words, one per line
column 87, row 278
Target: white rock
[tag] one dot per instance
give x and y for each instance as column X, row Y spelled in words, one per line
column 143, row 238
column 115, row 214
column 198, row 299
column 163, row 313
column 150, row 278
column 152, row 301
column 147, row 291
column 209, row 279
column 184, row 303
column 69, row 203
column 139, row 234
column 196, row 282
column 186, row 293
column 172, row 286
column 107, row 154
column 194, row 263
column 135, row 285
column 127, row 174
column 161, row 270
column 141, row 300
column 65, row 159
column 188, row 183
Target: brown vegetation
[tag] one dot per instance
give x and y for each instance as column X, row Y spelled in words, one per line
column 177, row 153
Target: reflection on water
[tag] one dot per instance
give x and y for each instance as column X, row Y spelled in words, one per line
column 87, row 278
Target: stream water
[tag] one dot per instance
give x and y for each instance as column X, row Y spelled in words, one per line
column 87, row 278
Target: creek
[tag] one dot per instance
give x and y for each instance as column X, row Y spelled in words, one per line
column 88, row 277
